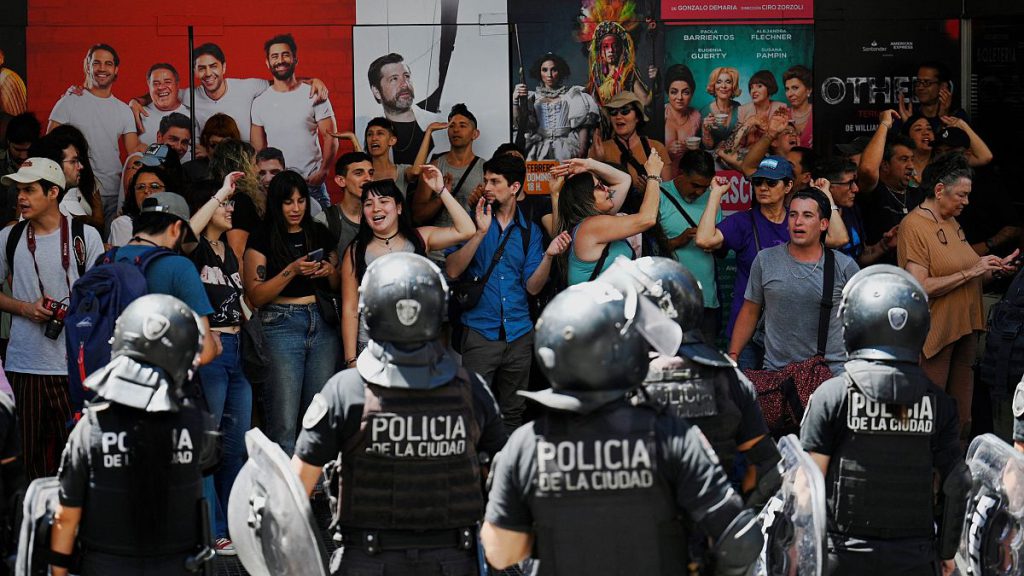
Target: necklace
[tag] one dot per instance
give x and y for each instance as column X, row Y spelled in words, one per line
column 387, row 241
column 808, row 275
column 214, row 243
column 901, row 201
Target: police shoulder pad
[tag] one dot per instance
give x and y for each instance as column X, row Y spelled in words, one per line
column 1018, row 400
column 316, row 411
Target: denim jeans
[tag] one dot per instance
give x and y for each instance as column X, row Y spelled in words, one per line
column 304, row 352
column 751, row 357
column 319, row 193
column 229, row 398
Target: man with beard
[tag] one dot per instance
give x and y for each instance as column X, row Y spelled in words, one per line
column 391, row 84
column 105, row 121
column 883, row 177
column 162, row 81
column 269, row 163
column 285, row 117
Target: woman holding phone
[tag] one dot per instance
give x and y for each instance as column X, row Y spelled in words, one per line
column 285, row 266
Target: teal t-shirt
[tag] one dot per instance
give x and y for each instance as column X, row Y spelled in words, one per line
column 700, row 263
column 580, row 271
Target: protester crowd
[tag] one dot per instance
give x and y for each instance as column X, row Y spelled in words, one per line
column 242, row 230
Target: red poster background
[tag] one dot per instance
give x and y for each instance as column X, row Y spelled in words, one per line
column 60, row 32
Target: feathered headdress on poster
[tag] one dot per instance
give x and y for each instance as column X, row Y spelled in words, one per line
column 599, row 19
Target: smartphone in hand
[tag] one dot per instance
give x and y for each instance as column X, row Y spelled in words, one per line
column 316, row 255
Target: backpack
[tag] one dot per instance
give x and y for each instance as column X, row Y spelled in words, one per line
column 97, row 299
column 1002, row 364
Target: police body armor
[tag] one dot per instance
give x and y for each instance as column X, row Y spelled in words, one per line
column 880, row 479
column 115, row 524
column 599, row 502
column 992, row 541
column 413, row 464
column 700, row 390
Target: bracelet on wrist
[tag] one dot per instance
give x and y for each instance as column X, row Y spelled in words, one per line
column 656, row 177
column 350, row 360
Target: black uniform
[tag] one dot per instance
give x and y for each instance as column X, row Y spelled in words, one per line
column 605, row 492
column 885, row 428
column 138, row 478
column 712, row 394
column 409, row 468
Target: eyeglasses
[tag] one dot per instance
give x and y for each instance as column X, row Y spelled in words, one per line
column 73, row 162
column 620, row 111
column 942, row 236
column 849, row 182
column 599, row 185
column 771, row 182
column 227, row 204
column 153, row 186
column 926, row 83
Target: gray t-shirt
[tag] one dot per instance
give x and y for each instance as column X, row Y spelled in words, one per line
column 790, row 292
column 348, row 229
column 290, row 122
column 30, row 351
column 443, row 218
column 236, row 103
column 103, row 121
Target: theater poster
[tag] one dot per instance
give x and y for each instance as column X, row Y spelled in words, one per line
column 737, row 52
column 450, row 52
column 718, row 11
column 868, row 65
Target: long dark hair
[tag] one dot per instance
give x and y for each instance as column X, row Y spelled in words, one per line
column 281, row 189
column 52, row 146
column 383, row 188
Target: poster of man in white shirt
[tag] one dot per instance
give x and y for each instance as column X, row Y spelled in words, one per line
column 286, row 118
column 162, row 80
column 105, row 121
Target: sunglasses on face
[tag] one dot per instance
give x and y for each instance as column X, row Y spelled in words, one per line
column 771, row 182
column 154, row 186
column 620, row 111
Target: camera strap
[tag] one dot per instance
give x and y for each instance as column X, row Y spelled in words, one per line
column 65, row 252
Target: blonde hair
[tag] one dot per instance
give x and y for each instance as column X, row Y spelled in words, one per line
column 732, row 72
column 234, row 155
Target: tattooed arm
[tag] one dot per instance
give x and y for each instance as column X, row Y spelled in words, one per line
column 260, row 289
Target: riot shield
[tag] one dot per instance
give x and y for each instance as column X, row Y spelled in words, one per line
column 41, row 500
column 794, row 521
column 992, row 542
column 269, row 516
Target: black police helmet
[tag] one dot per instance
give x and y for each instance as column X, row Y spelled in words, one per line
column 884, row 314
column 403, row 298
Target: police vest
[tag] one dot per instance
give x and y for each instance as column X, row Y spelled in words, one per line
column 703, row 395
column 145, row 484
column 413, row 464
column 600, row 505
column 880, row 478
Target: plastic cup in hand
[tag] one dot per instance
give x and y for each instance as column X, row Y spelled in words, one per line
column 693, row 143
column 721, row 119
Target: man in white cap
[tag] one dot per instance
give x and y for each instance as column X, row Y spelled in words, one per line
column 45, row 257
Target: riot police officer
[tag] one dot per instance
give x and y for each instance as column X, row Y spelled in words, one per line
column 131, row 473
column 879, row 433
column 407, row 427
column 700, row 383
column 597, row 485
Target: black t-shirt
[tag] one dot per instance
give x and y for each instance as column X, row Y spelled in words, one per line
column 222, row 281
column 409, row 137
column 300, row 286
column 245, row 217
column 10, row 439
column 327, row 426
column 824, row 427
column 882, row 209
column 684, row 458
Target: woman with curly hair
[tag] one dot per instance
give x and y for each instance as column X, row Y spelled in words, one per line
column 233, row 155
column 722, row 113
